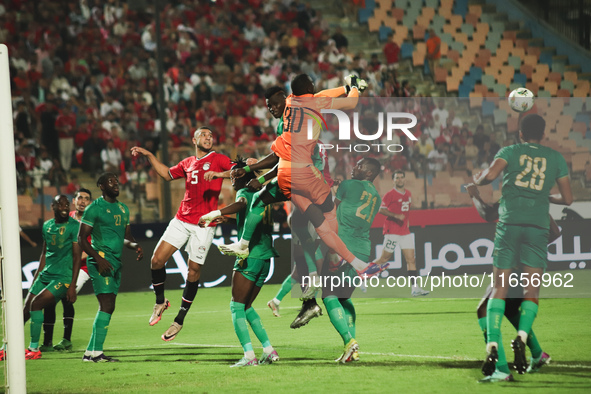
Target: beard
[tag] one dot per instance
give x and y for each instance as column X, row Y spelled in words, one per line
column 204, row 149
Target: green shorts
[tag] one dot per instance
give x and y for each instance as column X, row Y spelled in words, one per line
column 58, row 288
column 516, row 244
column 274, row 190
column 106, row 283
column 255, row 270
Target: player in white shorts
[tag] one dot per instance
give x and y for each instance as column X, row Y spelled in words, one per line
column 396, row 206
column 202, row 174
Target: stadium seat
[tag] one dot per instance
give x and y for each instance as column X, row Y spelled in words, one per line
column 500, row 89
column 551, row 87
column 581, row 128
column 488, row 108
column 554, row 77
column 512, row 124
column 488, row 81
column 546, row 58
column 526, row 70
column 476, row 73
column 583, row 118
column 467, row 29
column 440, row 75
column 533, row 87
column 384, row 32
column 472, row 19
column 515, row 62
column 418, row 32
column 364, row 15
column 520, row 79
column 370, row 4
column 563, row 93
column 570, row 76
column 499, row 116
column 406, row 50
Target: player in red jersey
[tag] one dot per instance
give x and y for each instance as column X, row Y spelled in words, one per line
column 201, row 196
column 396, row 207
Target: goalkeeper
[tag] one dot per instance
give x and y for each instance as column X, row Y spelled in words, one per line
column 298, row 179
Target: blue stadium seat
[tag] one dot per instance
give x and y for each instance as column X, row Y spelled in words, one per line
column 488, row 108
column 466, row 86
column 583, row 118
column 460, row 7
column 476, row 73
column 406, row 50
column 370, row 4
column 588, row 135
column 364, row 15
column 546, row 58
column 519, row 78
column 383, row 32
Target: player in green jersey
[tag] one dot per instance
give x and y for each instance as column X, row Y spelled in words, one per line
column 57, row 274
column 250, row 273
column 358, row 202
column 530, row 171
column 107, row 220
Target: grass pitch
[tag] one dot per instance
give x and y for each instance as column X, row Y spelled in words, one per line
column 406, row 345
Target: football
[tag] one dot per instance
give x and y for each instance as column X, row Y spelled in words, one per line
column 521, row 100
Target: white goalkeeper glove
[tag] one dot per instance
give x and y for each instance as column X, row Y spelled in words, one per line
column 209, row 217
column 353, row 81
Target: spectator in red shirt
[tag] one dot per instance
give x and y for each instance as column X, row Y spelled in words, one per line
column 391, row 52
column 66, row 127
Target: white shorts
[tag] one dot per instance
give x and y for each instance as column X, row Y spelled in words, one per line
column 404, row 241
column 198, row 239
column 82, row 279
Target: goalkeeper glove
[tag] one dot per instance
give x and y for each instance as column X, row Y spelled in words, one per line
column 354, row 81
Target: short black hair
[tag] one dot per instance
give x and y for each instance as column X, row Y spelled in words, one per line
column 398, row 172
column 532, row 127
column 374, row 166
column 302, row 84
column 104, row 178
column 83, row 190
column 241, row 163
column 272, row 91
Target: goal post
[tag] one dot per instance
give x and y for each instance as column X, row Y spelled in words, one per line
column 12, row 296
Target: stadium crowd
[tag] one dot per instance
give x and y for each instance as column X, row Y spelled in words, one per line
column 84, row 85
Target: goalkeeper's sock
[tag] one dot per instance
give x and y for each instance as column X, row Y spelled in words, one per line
column 350, row 314
column 332, row 240
column 158, row 278
column 337, row 317
column 188, row 296
column 36, row 324
column 283, row 290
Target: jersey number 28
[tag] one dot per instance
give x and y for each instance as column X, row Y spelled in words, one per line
column 538, row 166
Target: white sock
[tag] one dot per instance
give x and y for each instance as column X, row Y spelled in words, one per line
column 523, row 335
column 268, row 349
column 244, row 244
column 276, row 301
column 358, row 264
column 88, row 353
column 249, row 354
column 97, row 353
column 490, row 345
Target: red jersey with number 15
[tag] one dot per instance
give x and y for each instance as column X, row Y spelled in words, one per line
column 398, row 203
column 201, row 196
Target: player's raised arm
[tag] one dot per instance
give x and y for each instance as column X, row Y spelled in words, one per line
column 268, row 161
column 131, row 243
column 488, row 212
column 160, row 168
column 565, row 197
column 257, row 183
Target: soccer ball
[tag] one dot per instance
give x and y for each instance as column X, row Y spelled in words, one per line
column 521, row 100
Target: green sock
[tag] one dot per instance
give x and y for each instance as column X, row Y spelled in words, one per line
column 532, row 340
column 257, row 326
column 482, row 324
column 284, row 289
column 494, row 316
column 502, row 363
column 240, row 327
column 99, row 331
column 254, row 217
column 337, row 317
column 350, row 314
column 529, row 310
column 36, row 325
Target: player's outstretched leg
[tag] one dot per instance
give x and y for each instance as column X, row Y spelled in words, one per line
column 100, row 327
column 241, row 329
column 340, row 323
column 68, row 319
column 189, row 295
column 254, row 320
column 539, row 358
column 283, row 291
column 310, row 310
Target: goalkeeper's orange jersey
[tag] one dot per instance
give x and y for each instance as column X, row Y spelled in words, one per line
column 302, row 113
